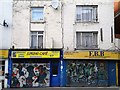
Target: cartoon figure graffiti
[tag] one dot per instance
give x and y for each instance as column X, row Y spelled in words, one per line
column 30, row 75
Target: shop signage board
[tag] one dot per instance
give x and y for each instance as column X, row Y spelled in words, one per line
column 4, row 54
column 35, row 54
column 92, row 55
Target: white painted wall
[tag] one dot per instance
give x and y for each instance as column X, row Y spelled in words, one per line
column 6, row 71
column 22, row 24
column 21, row 18
column 105, row 21
column 5, row 32
column 62, row 19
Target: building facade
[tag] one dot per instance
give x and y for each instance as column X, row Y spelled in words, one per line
column 5, row 38
column 69, row 41
column 88, row 35
column 68, row 26
column 36, row 21
column 116, row 19
column 117, row 28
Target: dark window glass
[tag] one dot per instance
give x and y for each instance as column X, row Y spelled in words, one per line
column 54, row 68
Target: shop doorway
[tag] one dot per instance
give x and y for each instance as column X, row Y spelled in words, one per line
column 55, row 81
column 2, row 71
column 118, row 73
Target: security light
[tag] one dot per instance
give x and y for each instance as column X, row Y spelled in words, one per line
column 4, row 24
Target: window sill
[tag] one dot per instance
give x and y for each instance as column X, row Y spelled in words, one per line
column 35, row 48
column 86, row 22
column 40, row 21
column 87, row 49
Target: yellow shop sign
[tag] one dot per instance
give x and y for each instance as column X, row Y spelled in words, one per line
column 92, row 55
column 4, row 54
column 35, row 54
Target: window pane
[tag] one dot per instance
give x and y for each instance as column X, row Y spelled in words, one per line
column 34, row 41
column 78, row 40
column 90, row 41
column 86, row 13
column 37, row 39
column 95, row 40
column 90, row 14
column 40, row 41
column 37, row 14
column 54, row 68
column 78, row 13
column 86, row 40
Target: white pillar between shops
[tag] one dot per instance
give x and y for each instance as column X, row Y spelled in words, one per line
column 6, row 71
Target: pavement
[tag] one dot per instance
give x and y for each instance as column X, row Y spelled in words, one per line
column 66, row 88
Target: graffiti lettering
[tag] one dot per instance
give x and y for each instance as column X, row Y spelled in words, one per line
column 84, row 73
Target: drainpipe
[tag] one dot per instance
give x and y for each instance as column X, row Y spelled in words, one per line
column 61, row 68
column 9, row 69
column 62, row 25
column 61, row 54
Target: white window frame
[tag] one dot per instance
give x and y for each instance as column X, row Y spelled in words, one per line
column 39, row 10
column 93, row 13
column 83, row 47
column 37, row 34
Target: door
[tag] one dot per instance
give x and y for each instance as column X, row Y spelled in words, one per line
column 2, row 69
column 55, row 81
column 118, row 73
column 112, row 73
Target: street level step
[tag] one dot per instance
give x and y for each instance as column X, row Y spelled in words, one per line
column 66, row 88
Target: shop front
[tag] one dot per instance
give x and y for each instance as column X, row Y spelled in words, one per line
column 90, row 68
column 34, row 68
column 3, row 62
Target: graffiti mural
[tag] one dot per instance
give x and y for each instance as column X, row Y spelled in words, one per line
column 86, row 73
column 30, row 75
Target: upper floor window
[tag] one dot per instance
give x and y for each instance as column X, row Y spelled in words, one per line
column 86, row 40
column 37, row 39
column 37, row 14
column 86, row 13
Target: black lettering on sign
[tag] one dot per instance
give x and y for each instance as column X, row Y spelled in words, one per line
column 96, row 53
column 102, row 53
column 90, row 53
